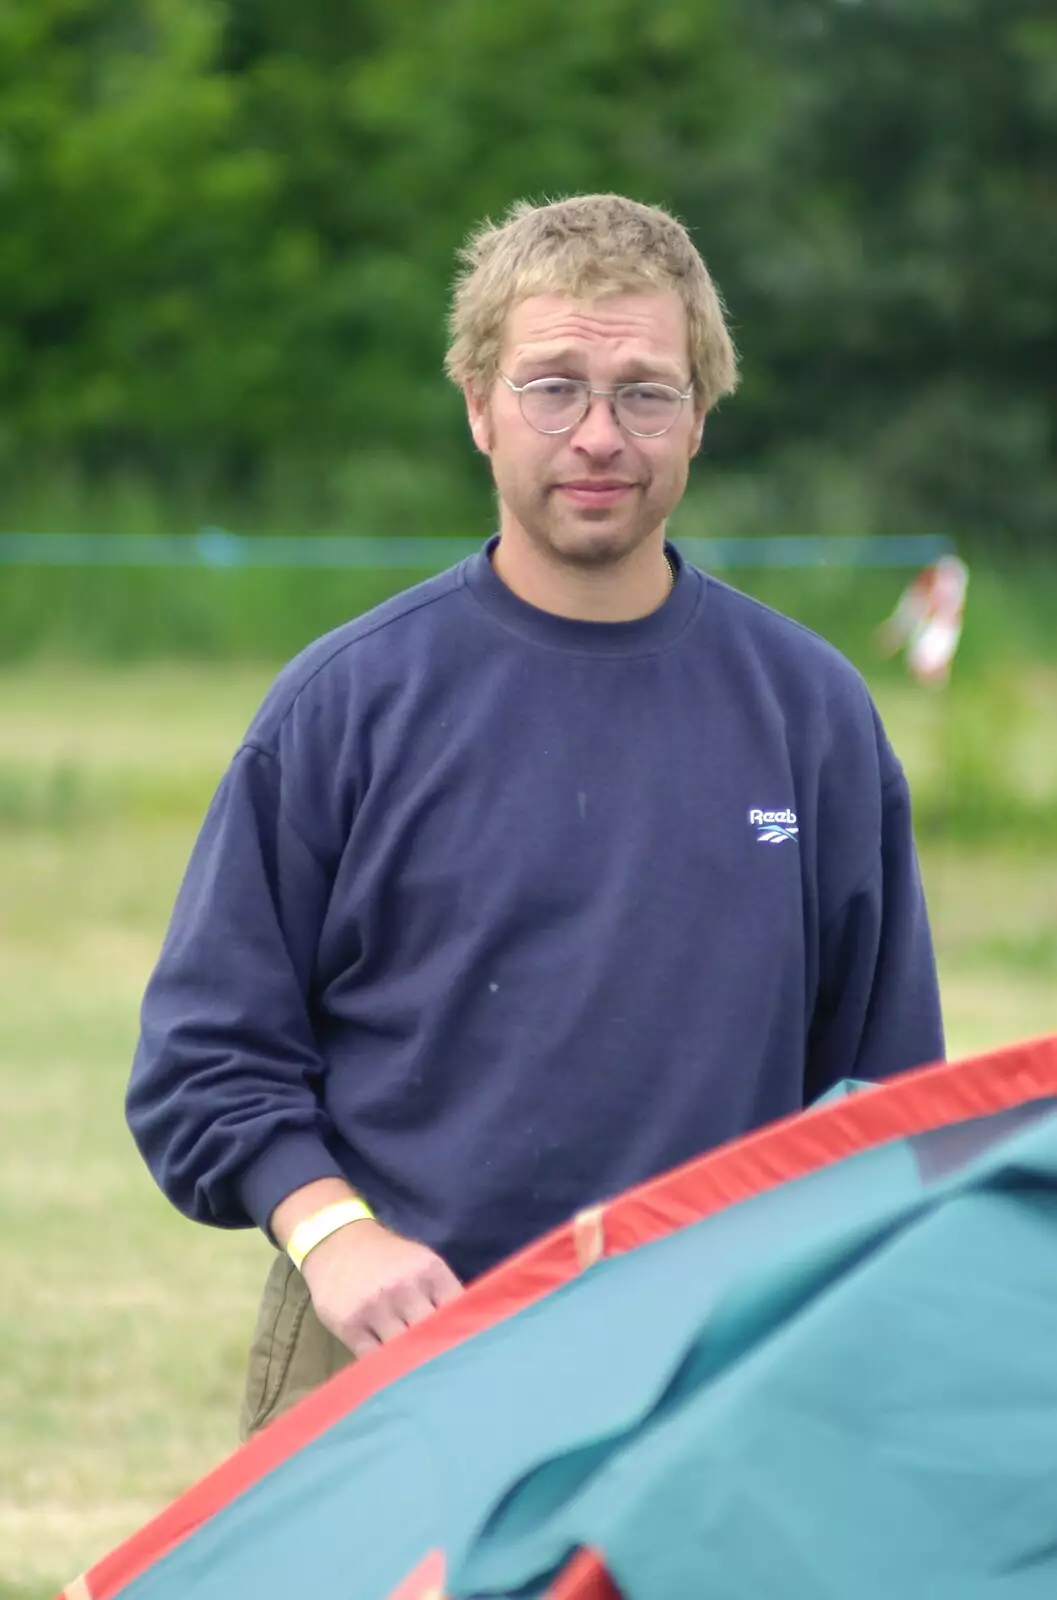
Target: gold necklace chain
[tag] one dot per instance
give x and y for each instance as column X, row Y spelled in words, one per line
column 669, row 563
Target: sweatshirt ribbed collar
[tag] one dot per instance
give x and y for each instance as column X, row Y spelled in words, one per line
column 643, row 636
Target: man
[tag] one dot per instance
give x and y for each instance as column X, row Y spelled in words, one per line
column 544, row 876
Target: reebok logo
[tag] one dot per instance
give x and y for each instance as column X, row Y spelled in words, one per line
column 772, row 827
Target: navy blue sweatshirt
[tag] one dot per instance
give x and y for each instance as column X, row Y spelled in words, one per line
column 496, row 913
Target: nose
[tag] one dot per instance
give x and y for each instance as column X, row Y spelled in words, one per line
column 598, row 432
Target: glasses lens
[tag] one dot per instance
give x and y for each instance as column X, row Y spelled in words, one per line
column 648, row 408
column 553, row 404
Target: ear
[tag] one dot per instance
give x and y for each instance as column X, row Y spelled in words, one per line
column 479, row 418
column 698, row 431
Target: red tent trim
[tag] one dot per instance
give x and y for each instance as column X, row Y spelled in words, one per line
column 916, row 1102
column 584, row 1577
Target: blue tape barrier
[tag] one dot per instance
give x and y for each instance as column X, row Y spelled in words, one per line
column 216, row 549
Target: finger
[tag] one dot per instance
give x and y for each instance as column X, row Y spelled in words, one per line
column 414, row 1302
column 441, row 1284
column 361, row 1341
column 385, row 1321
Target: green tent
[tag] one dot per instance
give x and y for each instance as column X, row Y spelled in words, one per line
column 821, row 1361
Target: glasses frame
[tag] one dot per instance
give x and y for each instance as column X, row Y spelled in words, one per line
column 612, row 395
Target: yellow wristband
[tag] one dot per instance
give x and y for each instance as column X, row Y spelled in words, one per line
column 313, row 1230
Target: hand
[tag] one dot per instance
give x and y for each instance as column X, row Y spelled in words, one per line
column 368, row 1285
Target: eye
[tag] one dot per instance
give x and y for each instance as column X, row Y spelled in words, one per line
column 648, row 394
column 554, row 388
column 553, row 405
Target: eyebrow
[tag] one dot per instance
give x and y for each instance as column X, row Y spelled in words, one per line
column 555, row 361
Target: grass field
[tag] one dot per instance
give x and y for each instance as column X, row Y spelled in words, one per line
column 122, row 1326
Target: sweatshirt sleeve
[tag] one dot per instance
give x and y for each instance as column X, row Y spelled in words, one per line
column 878, row 1009
column 223, row 1099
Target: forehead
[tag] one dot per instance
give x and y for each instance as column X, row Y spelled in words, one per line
column 640, row 324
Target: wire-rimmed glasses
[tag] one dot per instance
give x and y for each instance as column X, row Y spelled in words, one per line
column 558, row 405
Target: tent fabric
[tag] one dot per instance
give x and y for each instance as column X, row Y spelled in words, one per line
column 876, row 1403
column 495, row 1443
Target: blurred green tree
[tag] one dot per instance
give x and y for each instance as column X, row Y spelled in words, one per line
column 227, row 232
column 137, row 264
column 898, row 267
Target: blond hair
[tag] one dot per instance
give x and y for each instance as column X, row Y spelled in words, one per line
column 586, row 245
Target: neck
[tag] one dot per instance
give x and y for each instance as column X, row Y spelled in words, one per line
column 619, row 591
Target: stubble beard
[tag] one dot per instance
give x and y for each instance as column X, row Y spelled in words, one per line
column 586, row 540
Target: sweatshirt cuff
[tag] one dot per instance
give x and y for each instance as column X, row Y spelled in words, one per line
column 292, row 1161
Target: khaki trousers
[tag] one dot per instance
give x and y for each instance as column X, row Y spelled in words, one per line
column 291, row 1354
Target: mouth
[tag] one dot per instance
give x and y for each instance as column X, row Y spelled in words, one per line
column 595, row 491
